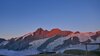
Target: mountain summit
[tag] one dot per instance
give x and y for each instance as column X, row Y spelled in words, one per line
column 41, row 33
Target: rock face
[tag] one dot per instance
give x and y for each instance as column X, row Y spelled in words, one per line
column 71, row 41
column 94, row 37
column 1, row 40
column 45, row 44
column 55, row 40
column 40, row 33
column 46, row 34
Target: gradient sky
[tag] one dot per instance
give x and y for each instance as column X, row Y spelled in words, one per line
column 18, row 17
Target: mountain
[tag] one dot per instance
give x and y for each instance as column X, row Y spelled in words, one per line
column 40, row 33
column 1, row 40
column 54, row 40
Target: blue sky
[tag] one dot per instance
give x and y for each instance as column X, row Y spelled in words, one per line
column 18, row 17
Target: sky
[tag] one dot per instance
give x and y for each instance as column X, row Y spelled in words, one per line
column 18, row 17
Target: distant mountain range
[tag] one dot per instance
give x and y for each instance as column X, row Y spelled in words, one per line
column 54, row 40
